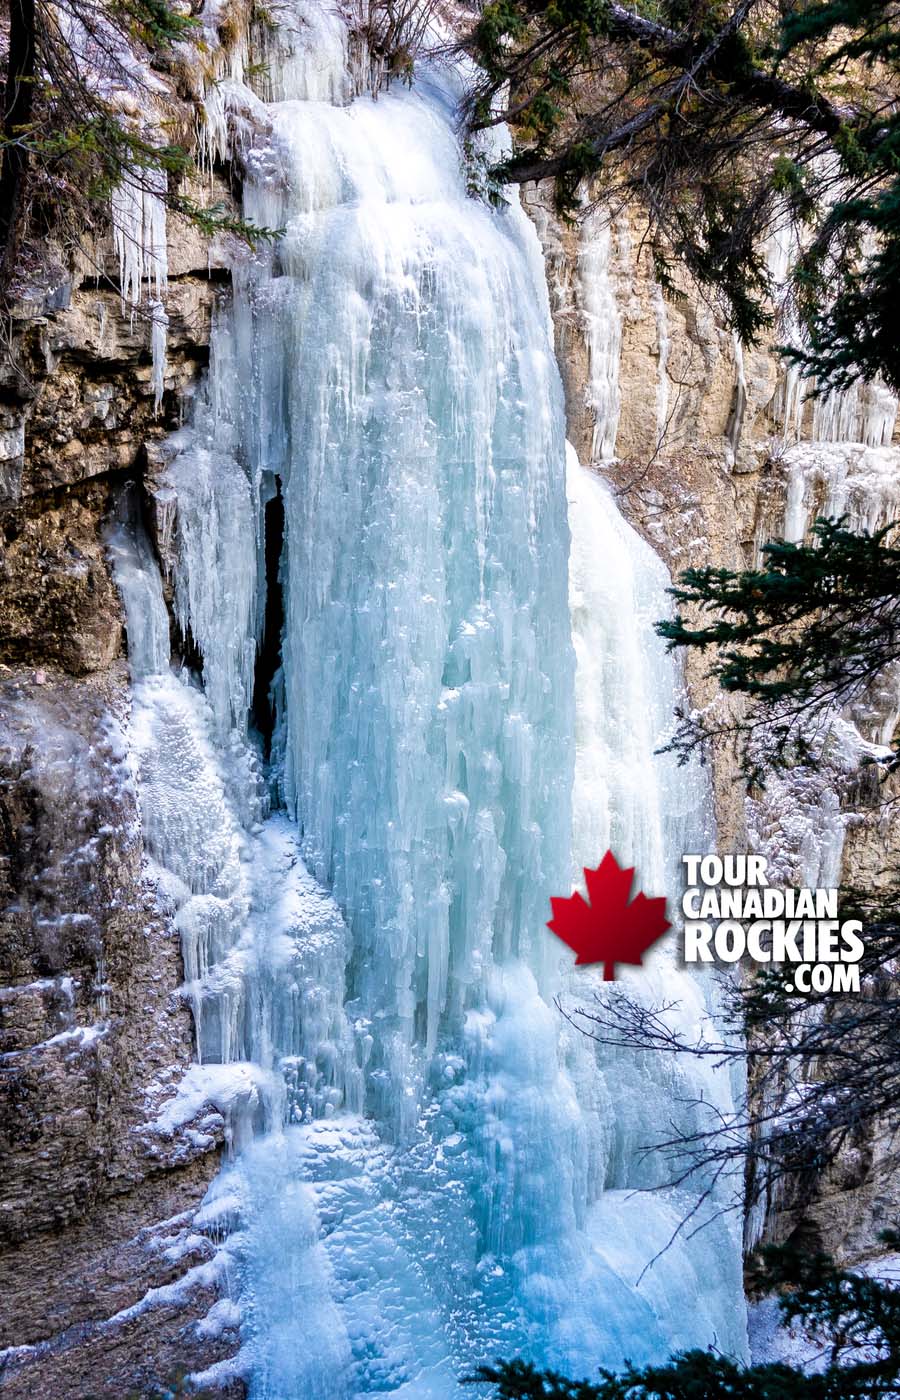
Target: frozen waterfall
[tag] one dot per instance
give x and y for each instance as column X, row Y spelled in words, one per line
column 429, row 1172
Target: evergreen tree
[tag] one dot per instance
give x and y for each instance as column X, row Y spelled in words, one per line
column 807, row 633
column 723, row 120
column 65, row 140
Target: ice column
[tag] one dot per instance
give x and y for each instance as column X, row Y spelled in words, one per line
column 603, row 323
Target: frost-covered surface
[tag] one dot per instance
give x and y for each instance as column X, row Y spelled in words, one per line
column 862, row 483
column 200, row 1276
column 235, row 1089
column 89, row 1051
column 425, row 1160
column 603, row 327
column 71, row 767
column 139, row 236
column 798, row 822
column 772, row 1341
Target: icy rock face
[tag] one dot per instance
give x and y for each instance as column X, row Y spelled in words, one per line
column 427, row 654
column 640, row 803
column 847, row 470
column 627, row 796
column 603, row 326
column 139, row 236
column 216, row 540
column 839, row 479
column 422, row 1180
column 798, row 823
column 92, row 1034
column 829, row 455
column 261, row 941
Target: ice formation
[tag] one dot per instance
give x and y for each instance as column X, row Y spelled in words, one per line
column 139, row 237
column 863, row 413
column 839, row 479
column 603, row 326
column 735, row 424
column 836, row 459
column 627, row 690
column 429, row 1173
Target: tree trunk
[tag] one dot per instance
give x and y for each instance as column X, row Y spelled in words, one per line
column 17, row 108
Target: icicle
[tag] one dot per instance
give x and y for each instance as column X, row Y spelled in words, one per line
column 879, row 414
column 307, row 57
column 159, row 325
column 215, row 540
column 863, row 413
column 603, row 322
column 139, row 583
column 139, row 237
column 837, row 479
column 736, row 420
column 663, row 344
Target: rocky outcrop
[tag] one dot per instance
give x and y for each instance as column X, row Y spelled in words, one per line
column 111, row 1283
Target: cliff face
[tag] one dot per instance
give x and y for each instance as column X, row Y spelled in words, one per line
column 107, row 1276
column 112, row 1280
column 651, row 400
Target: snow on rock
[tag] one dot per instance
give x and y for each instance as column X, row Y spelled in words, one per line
column 234, row 1090
column 224, row 1314
column 772, row 1341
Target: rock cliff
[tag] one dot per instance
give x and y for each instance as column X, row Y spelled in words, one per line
column 107, row 1277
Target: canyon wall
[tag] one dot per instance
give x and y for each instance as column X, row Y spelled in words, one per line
column 107, row 1276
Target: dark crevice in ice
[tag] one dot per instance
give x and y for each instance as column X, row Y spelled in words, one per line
column 268, row 656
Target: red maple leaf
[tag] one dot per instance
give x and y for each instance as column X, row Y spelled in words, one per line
column 609, row 929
